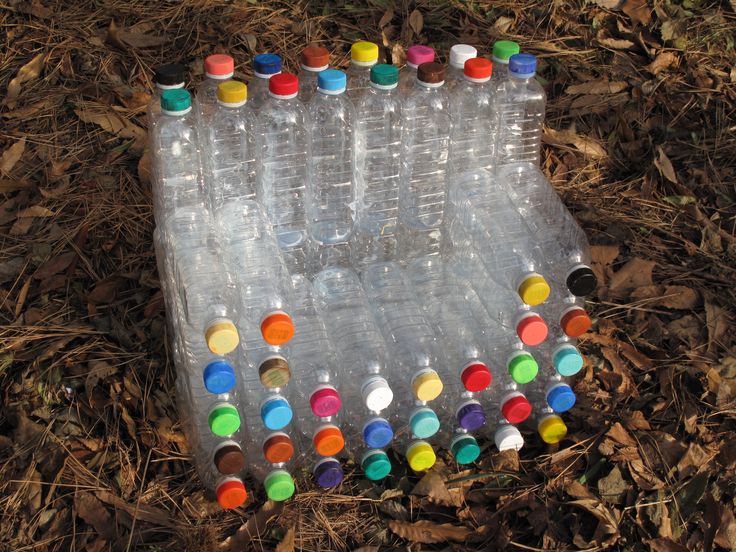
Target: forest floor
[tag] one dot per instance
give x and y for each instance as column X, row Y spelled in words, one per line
column 640, row 141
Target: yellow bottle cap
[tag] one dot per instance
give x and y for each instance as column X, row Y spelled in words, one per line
column 427, row 386
column 232, row 92
column 364, row 52
column 222, row 337
column 420, row 456
column 534, row 290
column 552, row 429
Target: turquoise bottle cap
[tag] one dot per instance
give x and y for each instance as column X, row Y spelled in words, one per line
column 465, row 449
column 424, row 423
column 175, row 100
column 376, row 465
column 567, row 360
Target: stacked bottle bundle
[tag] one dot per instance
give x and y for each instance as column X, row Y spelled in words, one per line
column 362, row 260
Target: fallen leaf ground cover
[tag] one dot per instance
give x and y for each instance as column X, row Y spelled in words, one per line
column 640, row 141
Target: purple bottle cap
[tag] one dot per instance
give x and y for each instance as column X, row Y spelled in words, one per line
column 471, row 416
column 328, row 473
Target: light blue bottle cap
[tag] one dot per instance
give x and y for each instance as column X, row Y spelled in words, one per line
column 561, row 398
column 332, row 80
column 522, row 65
column 219, row 377
column 276, row 413
column 176, row 99
column 567, row 360
column 267, row 64
column 424, row 423
column 377, row 433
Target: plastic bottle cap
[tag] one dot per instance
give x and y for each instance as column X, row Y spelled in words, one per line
column 478, row 68
column 532, row 330
column 522, row 65
column 325, row 401
column 219, row 377
column 224, row 420
column 231, row 494
column 420, row 456
column 384, row 75
column 575, row 322
column 315, row 57
column 418, row 54
column 504, row 49
column 328, row 441
column 516, row 409
column 279, row 485
column 277, row 328
column 424, row 423
column 267, row 64
column 278, row 448
column 175, row 100
column 552, row 429
column 170, row 74
column 460, row 53
column 364, row 52
column 561, row 398
column 274, row 372
column 332, row 80
column 283, row 84
column 376, row 393
column 465, row 449
column 427, row 385
column 232, row 92
column 221, row 336
column 508, row 437
column 229, row 459
column 431, row 73
column 471, row 416
column 377, row 433
column 534, row 290
column 276, row 413
column 375, row 465
column 219, row 65
column 328, row 473
column 476, row 377
column 567, row 360
column 522, row 367
column 582, row 281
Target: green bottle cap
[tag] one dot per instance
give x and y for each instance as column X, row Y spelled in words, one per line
column 384, row 74
column 224, row 420
column 465, row 449
column 376, row 465
column 279, row 485
column 523, row 368
column 504, row 49
column 176, row 99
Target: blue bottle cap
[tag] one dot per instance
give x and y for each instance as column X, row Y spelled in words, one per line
column 267, row 64
column 276, row 413
column 561, row 398
column 424, row 423
column 568, row 361
column 377, row 433
column 471, row 416
column 176, row 99
column 522, row 65
column 219, row 377
column 332, row 80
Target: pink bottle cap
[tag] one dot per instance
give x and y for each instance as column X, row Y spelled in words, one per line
column 325, row 401
column 532, row 330
column 418, row 54
column 219, row 64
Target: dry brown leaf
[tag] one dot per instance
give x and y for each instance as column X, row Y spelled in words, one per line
column 398, row 55
column 111, row 122
column 609, row 4
column 636, row 273
column 432, row 485
column 105, row 290
column 726, row 533
column 54, row 265
column 144, row 168
column 386, row 18
column 638, row 10
column 607, row 532
column 616, row 43
column 98, row 370
column 584, row 144
column 253, row 528
column 669, row 297
column 503, row 24
column 694, row 460
column 53, row 193
column 427, row 532
column 7, row 186
column 636, row 420
column 287, row 543
column 12, row 155
column 665, row 544
column 35, row 211
column 717, row 321
column 91, row 510
column 600, row 86
column 137, row 511
column 141, row 40
column 416, row 22
column 28, row 72
column 663, row 61
column 664, row 165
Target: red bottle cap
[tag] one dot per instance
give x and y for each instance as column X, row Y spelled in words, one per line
column 231, row 494
column 219, row 64
column 516, row 409
column 532, row 330
column 476, row 377
column 283, row 84
column 478, row 68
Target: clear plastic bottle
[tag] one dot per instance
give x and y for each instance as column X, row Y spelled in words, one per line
column 358, row 342
column 326, row 471
column 566, row 313
column 363, row 56
column 169, row 76
column 560, row 353
column 502, row 51
column 285, row 151
column 474, row 119
column 265, row 66
column 521, row 105
column 552, row 224
column 459, row 54
column 378, row 168
column 231, row 146
column 217, row 69
column 425, row 150
column 415, row 56
column 314, row 59
column 270, row 459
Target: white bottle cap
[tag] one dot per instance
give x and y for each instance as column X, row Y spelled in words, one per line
column 508, row 437
column 460, row 53
column 377, row 393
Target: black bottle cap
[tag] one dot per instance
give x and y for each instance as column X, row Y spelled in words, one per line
column 169, row 74
column 582, row 281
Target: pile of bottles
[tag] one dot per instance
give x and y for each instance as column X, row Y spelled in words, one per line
column 362, row 260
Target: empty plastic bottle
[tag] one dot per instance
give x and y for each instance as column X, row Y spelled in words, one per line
column 217, row 68
column 285, row 152
column 326, row 470
column 272, row 467
column 169, row 76
column 459, row 54
column 502, row 52
column 521, row 105
column 230, row 167
column 363, row 56
column 314, row 59
column 378, row 168
column 474, row 119
column 415, row 56
column 265, row 66
column 561, row 354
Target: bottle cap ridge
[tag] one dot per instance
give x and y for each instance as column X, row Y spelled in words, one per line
column 420, row 456
column 329, row 441
column 424, row 423
column 427, row 386
column 516, row 409
column 377, row 433
column 328, row 473
column 376, row 465
column 283, row 84
column 325, row 401
column 471, row 416
column 276, row 413
column 176, row 99
column 460, row 53
column 552, row 429
column 274, row 372
column 567, row 360
column 534, row 290
column 169, row 74
column 561, row 398
column 508, row 437
column 465, row 449
column 277, row 328
column 523, row 368
column 224, row 420
column 476, row 377
column 431, row 72
column 332, row 80
column 522, row 65
column 575, row 322
column 478, row 68
column 532, row 330
column 229, row 459
column 384, row 75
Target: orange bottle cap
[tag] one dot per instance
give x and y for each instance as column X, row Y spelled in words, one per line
column 328, row 441
column 231, row 493
column 575, row 322
column 277, row 328
column 278, row 448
